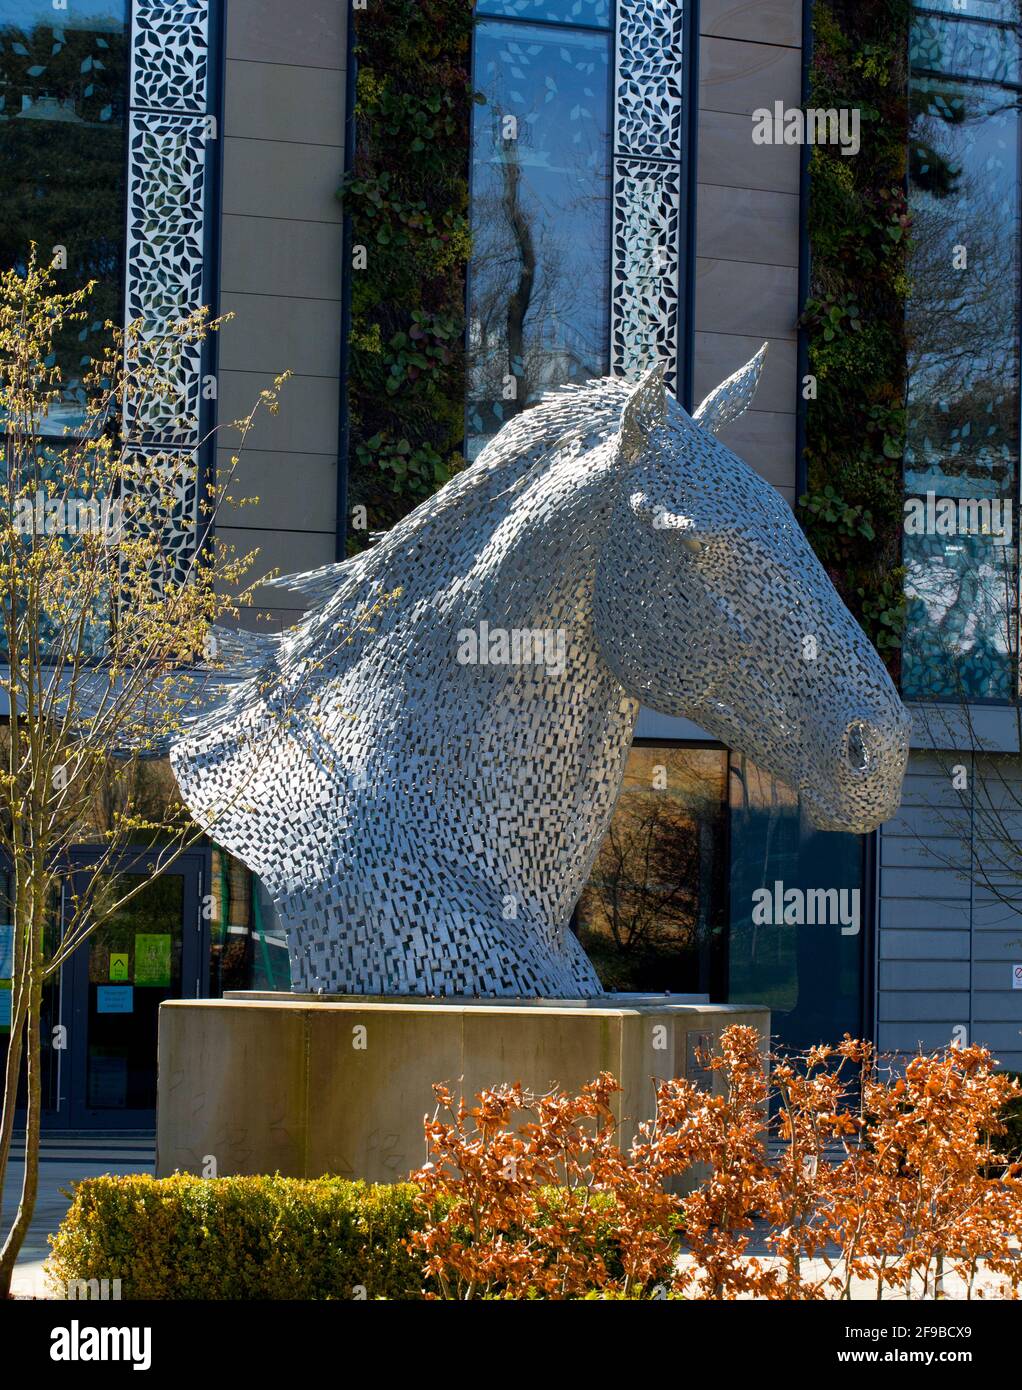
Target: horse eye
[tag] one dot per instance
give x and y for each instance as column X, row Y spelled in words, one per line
column 856, row 751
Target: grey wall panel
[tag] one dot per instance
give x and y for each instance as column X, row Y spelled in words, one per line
column 766, row 441
column 999, row 946
column 752, row 300
column 281, row 274
column 1001, row 1038
column 292, row 490
column 963, row 975
column 273, row 101
column 272, row 333
column 281, row 178
column 926, row 1002
column 747, row 224
column 924, row 884
column 306, row 422
column 915, row 1037
column 284, row 552
column 927, row 914
column 742, row 77
column 994, row 912
column 924, row 822
column 272, row 255
column 906, row 851
column 921, row 945
column 747, row 231
column 766, row 21
column 311, row 33
column 998, row 1005
column 718, row 355
column 941, row 974
column 728, row 157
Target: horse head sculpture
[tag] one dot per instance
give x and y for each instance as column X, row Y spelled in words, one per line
column 424, row 801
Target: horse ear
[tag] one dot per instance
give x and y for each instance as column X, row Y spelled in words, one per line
column 732, row 397
column 645, row 409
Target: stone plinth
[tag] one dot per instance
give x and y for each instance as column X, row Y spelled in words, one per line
column 306, row 1085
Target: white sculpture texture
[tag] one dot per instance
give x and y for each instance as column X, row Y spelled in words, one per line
column 425, row 801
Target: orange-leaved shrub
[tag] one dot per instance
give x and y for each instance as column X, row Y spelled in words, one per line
column 870, row 1169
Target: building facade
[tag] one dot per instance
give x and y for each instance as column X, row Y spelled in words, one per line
column 621, row 214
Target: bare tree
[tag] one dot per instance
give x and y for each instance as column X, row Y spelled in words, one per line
column 107, row 639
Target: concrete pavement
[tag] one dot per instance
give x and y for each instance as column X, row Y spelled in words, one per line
column 65, row 1160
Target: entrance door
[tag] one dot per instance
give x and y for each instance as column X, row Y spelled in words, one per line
column 153, row 949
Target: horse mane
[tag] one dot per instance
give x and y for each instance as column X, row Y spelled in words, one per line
column 525, row 447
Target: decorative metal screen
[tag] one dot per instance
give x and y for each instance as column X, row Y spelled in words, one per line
column 647, row 186
column 171, row 131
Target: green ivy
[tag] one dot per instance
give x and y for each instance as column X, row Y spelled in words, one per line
column 407, row 197
column 855, row 315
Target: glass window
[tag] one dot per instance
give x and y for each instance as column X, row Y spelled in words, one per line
column 134, row 963
column 961, row 617
column 594, row 14
column 968, row 50
column 975, row 9
column 63, row 80
column 652, row 916
column 797, row 920
column 963, row 438
column 963, row 424
column 539, row 276
column 248, row 949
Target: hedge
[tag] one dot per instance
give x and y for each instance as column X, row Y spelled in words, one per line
column 185, row 1237
column 276, row 1238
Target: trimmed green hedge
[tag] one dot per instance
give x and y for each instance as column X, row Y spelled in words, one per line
column 240, row 1238
column 186, row 1237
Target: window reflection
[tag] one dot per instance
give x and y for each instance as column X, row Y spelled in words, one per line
column 248, row 949
column 809, row 973
column 969, row 50
column 586, row 13
column 63, row 76
column 538, row 305
column 962, row 437
column 652, row 913
column 963, row 424
column 961, row 618
column 976, row 9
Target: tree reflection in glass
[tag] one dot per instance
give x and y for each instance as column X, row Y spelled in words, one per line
column 962, row 435
column 654, row 905
column 538, row 281
column 63, row 79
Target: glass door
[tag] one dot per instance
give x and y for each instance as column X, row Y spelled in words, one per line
column 151, row 950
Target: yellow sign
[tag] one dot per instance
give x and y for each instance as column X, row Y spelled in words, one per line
column 119, row 965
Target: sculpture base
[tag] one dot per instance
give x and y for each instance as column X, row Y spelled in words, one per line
column 305, row 1085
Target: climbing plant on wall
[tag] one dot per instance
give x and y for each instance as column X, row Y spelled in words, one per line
column 855, row 313
column 407, row 197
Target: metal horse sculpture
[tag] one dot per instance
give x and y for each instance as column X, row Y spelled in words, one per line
column 425, row 801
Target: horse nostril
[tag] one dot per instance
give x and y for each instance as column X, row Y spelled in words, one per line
column 856, row 746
